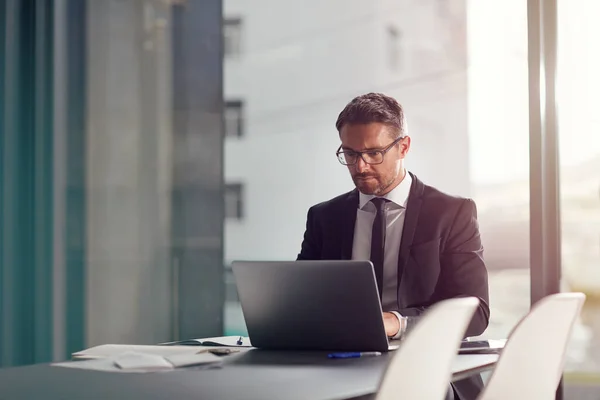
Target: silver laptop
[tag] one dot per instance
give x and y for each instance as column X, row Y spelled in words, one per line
column 311, row 305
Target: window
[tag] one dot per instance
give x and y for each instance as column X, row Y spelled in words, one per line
column 232, row 37
column 234, row 117
column 394, row 47
column 234, row 206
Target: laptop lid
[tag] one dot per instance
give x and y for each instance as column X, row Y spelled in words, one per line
column 311, row 305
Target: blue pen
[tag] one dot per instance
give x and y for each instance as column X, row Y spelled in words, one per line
column 354, row 354
column 239, row 341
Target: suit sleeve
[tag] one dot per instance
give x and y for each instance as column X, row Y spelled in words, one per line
column 311, row 244
column 463, row 268
column 463, row 271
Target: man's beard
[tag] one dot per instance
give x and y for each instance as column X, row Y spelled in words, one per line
column 369, row 190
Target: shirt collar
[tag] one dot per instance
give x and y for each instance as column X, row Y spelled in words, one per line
column 398, row 195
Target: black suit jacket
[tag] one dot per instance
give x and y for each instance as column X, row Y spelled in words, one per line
column 440, row 256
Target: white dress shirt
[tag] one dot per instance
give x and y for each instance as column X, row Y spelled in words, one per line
column 395, row 211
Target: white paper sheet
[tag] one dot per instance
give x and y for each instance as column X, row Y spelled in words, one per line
column 134, row 362
column 112, row 350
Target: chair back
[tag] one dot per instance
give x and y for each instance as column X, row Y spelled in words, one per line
column 533, row 359
column 421, row 367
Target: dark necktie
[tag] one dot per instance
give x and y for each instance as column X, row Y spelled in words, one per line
column 378, row 241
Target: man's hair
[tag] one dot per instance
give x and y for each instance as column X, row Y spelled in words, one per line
column 374, row 107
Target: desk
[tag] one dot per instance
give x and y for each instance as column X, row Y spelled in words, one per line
column 256, row 374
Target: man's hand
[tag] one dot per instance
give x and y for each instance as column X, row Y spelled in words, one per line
column 391, row 323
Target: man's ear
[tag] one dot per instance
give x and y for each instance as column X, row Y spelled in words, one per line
column 405, row 146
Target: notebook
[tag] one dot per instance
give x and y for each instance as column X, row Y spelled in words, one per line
column 225, row 341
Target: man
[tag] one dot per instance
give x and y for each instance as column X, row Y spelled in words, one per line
column 424, row 244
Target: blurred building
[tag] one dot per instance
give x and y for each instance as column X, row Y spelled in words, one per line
column 290, row 68
column 504, row 219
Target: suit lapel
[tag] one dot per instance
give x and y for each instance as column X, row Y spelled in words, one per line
column 411, row 218
column 348, row 224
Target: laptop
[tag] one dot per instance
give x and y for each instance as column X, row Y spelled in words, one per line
column 311, row 305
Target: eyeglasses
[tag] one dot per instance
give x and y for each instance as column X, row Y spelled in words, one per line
column 350, row 157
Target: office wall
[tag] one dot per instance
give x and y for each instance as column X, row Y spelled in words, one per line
column 137, row 215
column 129, row 175
column 197, row 193
column 153, row 171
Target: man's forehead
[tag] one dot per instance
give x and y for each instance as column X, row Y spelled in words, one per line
column 358, row 137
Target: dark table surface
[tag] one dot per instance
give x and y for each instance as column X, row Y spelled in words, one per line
column 256, row 374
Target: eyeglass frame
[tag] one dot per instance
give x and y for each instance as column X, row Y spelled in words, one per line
column 383, row 152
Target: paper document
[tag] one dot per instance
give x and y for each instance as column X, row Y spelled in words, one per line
column 148, row 362
column 131, row 361
column 113, row 350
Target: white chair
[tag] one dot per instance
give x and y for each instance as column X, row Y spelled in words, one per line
column 421, row 367
column 532, row 361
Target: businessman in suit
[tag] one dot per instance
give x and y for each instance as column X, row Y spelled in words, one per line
column 424, row 244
